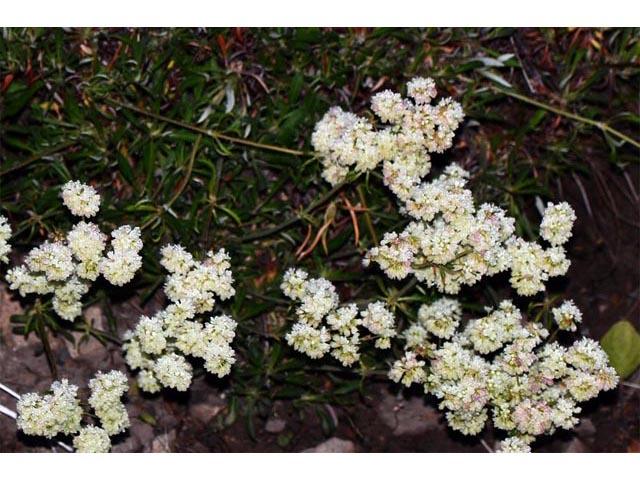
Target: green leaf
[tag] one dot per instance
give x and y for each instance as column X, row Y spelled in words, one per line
column 147, row 418
column 127, row 171
column 296, row 87
column 622, row 344
column 231, row 213
column 537, row 118
column 233, row 412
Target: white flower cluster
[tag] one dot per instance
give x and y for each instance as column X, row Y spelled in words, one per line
column 439, row 319
column 339, row 334
column 557, row 222
column 497, row 366
column 416, row 128
column 501, row 366
column 408, row 370
column 106, row 390
column 66, row 268
column 92, row 439
column 567, row 315
column 450, row 241
column 82, row 200
column 514, row 445
column 158, row 345
column 121, row 264
column 5, row 234
column 49, row 415
column 60, row 412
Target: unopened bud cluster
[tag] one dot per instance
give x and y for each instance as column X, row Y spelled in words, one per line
column 323, row 326
column 60, row 412
column 159, row 345
column 67, row 267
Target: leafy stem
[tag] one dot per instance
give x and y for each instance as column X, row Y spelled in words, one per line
column 605, row 128
column 203, row 131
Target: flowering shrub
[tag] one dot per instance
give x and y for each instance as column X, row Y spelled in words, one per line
column 499, row 366
column 449, row 242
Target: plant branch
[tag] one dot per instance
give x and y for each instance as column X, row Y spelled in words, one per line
column 367, row 215
column 37, row 156
column 602, row 126
column 42, row 333
column 204, row 131
column 292, row 221
column 176, row 195
column 8, row 412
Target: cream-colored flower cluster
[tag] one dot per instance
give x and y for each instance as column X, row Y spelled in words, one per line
column 60, row 412
column 106, row 390
column 450, row 242
column 5, row 234
column 323, row 326
column 52, row 414
column 514, row 445
column 502, row 367
column 416, row 128
column 567, row 316
column 82, row 200
column 67, row 267
column 557, row 222
column 158, row 345
column 92, row 439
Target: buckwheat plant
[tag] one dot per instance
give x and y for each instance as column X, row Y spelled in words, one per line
column 66, row 266
column 499, row 366
column 159, row 345
column 60, row 412
column 323, row 326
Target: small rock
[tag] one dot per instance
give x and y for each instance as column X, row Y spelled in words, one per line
column 144, row 433
column 333, row 445
column 577, row 446
column 204, row 411
column 275, row 425
column 407, row 417
column 128, row 445
column 163, row 443
column 197, row 447
column 585, row 428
